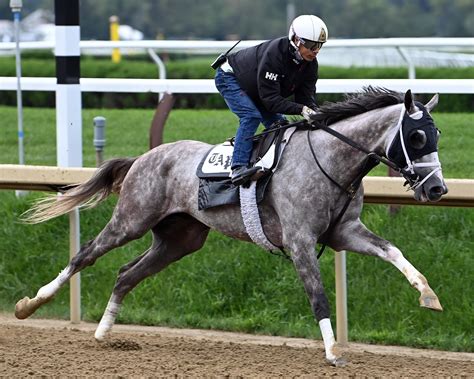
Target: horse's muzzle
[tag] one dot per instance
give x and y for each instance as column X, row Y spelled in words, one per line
column 430, row 193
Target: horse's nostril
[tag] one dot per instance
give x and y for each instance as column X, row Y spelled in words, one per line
column 437, row 191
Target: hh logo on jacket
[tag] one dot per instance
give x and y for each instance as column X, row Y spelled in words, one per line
column 271, row 76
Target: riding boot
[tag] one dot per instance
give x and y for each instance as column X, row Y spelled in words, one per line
column 242, row 174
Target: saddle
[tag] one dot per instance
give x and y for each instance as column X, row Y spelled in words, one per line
column 214, row 170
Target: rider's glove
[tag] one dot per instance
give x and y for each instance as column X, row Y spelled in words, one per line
column 307, row 112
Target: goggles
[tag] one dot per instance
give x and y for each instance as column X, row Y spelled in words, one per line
column 311, row 45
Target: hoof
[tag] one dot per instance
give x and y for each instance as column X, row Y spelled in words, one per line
column 337, row 362
column 431, row 302
column 99, row 337
column 22, row 310
column 101, row 334
column 26, row 306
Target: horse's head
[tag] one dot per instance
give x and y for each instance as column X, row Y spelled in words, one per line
column 414, row 149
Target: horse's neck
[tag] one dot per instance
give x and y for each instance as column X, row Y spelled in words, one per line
column 373, row 129
column 370, row 130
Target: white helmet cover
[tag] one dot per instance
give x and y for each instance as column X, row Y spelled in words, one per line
column 308, row 27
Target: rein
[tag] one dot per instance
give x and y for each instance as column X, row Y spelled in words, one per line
column 303, row 124
column 355, row 145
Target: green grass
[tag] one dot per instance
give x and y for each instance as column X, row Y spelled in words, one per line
column 232, row 285
column 126, row 132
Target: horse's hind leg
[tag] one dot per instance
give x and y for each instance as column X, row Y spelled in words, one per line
column 354, row 236
column 176, row 236
column 123, row 227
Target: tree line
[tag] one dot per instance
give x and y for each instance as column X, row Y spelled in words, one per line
column 262, row 19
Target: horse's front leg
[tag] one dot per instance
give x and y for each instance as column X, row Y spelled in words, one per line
column 354, row 236
column 307, row 267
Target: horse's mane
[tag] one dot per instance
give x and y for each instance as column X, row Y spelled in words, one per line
column 353, row 104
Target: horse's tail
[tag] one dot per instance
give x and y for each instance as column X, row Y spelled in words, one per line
column 106, row 180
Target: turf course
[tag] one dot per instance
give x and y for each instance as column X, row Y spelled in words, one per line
column 236, row 286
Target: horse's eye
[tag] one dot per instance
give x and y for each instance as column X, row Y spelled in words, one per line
column 417, row 139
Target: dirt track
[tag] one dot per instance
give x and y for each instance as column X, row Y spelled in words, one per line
column 50, row 347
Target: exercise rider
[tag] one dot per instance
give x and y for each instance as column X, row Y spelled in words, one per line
column 256, row 83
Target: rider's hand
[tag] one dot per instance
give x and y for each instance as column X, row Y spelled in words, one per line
column 307, row 112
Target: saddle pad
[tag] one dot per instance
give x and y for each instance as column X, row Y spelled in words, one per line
column 217, row 162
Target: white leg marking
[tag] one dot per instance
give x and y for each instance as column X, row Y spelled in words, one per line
column 415, row 278
column 50, row 289
column 328, row 338
column 107, row 320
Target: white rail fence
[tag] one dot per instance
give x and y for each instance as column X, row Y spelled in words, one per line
column 207, row 86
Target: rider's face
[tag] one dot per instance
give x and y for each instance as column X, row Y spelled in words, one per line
column 307, row 54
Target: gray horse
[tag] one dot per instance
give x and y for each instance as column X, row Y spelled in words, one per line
column 158, row 192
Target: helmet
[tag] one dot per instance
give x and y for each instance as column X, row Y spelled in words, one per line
column 308, row 28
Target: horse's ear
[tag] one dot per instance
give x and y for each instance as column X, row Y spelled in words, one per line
column 432, row 103
column 409, row 103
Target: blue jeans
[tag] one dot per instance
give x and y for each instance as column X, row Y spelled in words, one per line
column 249, row 116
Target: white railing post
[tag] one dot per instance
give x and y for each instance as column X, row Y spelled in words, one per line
column 75, row 282
column 16, row 6
column 161, row 68
column 408, row 60
column 341, row 298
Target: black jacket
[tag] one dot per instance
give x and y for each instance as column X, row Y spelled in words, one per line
column 269, row 73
